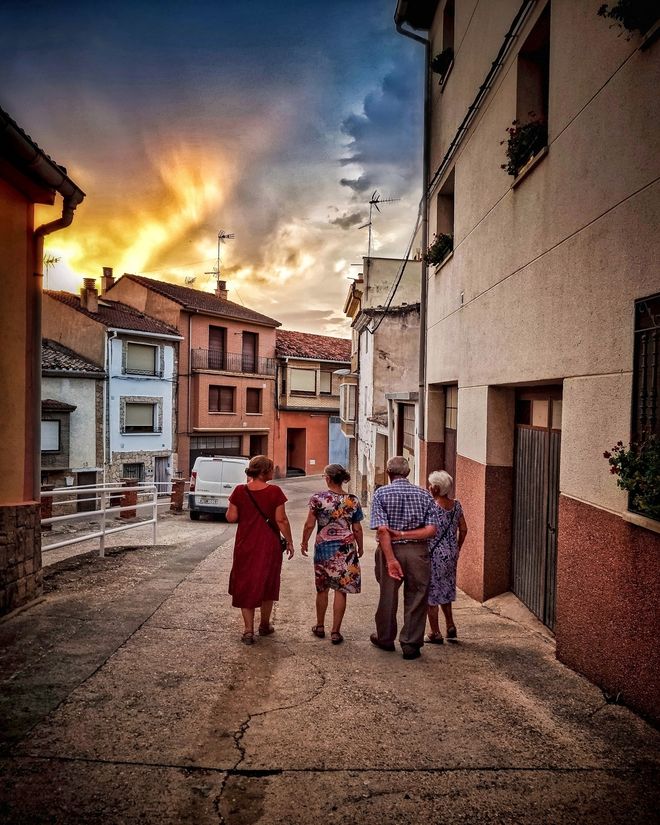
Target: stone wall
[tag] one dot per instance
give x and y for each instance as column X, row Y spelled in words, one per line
column 115, row 471
column 21, row 576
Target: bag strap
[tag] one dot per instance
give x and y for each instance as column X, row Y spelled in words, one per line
column 272, row 526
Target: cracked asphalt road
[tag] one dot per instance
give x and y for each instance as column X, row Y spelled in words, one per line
column 127, row 697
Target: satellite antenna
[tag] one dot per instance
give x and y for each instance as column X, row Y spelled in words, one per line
column 374, row 200
column 222, row 237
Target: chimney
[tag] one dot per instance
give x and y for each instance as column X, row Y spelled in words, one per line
column 89, row 297
column 107, row 280
column 221, row 290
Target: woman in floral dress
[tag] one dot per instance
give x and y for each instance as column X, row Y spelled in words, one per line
column 444, row 548
column 337, row 549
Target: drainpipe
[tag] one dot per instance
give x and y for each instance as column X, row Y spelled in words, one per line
column 421, row 404
column 68, row 208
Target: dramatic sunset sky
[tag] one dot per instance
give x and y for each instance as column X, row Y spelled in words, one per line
column 272, row 120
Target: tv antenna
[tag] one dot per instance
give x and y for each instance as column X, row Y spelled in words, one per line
column 222, row 237
column 49, row 262
column 374, row 200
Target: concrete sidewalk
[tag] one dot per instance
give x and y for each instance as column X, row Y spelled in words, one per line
column 127, row 697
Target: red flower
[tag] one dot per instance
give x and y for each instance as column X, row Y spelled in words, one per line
column 607, row 455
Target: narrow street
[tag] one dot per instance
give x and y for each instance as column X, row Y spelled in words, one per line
column 127, row 697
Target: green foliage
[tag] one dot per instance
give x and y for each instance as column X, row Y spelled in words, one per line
column 524, row 141
column 633, row 15
column 637, row 468
column 441, row 247
column 442, row 61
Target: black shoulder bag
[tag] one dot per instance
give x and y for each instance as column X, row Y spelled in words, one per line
column 273, row 527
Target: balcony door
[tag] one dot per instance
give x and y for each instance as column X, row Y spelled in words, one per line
column 217, row 348
column 250, row 349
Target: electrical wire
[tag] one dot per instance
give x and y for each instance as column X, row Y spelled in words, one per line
column 402, row 268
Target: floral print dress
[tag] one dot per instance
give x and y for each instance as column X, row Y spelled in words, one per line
column 336, row 561
column 443, row 548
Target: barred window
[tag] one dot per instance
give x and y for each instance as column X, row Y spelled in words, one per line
column 645, row 368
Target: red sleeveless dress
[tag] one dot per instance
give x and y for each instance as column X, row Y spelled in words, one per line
column 255, row 572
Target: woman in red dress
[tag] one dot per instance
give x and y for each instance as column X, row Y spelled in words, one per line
column 255, row 574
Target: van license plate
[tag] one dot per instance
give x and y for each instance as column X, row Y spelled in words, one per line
column 209, row 500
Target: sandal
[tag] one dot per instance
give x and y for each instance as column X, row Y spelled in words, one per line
column 451, row 634
column 434, row 639
column 266, row 629
column 247, row 638
column 336, row 638
column 319, row 631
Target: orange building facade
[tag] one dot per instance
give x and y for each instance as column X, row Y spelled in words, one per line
column 306, row 433
column 226, row 372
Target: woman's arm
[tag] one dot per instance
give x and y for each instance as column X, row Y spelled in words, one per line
column 310, row 522
column 285, row 528
column 232, row 513
column 358, row 536
column 418, row 534
column 462, row 531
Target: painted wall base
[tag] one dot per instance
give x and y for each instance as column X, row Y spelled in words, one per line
column 608, row 590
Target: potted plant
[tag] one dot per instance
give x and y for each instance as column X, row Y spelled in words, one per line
column 637, row 468
column 632, row 15
column 441, row 63
column 525, row 140
column 441, row 247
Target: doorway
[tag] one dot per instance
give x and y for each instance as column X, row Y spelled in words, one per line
column 296, row 451
column 161, row 463
column 536, row 499
column 257, row 445
column 86, row 501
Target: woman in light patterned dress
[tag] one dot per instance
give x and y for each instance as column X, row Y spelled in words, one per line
column 337, row 549
column 444, row 548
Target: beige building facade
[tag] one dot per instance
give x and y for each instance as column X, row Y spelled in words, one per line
column 532, row 319
column 379, row 408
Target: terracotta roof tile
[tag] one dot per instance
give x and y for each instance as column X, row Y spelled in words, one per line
column 114, row 314
column 308, row 345
column 58, row 358
column 202, row 301
column 51, row 404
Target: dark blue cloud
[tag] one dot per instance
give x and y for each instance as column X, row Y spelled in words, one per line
column 385, row 138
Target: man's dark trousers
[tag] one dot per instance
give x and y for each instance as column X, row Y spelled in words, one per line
column 416, row 565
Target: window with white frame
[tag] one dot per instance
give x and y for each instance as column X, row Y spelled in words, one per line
column 302, row 381
column 141, row 359
column 347, row 396
column 140, row 417
column 50, row 436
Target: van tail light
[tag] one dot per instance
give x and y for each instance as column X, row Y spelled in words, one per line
column 193, row 481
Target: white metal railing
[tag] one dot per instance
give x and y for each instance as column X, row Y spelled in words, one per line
column 102, row 493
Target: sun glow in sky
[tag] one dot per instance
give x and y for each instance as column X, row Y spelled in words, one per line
column 271, row 121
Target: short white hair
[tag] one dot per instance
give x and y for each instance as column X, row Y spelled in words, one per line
column 441, row 481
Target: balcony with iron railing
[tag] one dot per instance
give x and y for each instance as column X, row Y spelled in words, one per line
column 218, row 360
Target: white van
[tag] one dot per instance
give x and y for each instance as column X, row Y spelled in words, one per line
column 212, row 481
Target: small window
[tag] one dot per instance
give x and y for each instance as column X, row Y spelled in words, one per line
column 141, row 359
column 135, row 471
column 50, row 436
column 448, row 25
column 347, row 402
column 445, row 208
column 451, row 407
column 140, row 418
column 407, row 412
column 253, row 400
column 222, row 399
column 533, row 82
column 326, row 383
column 646, row 375
column 302, row 381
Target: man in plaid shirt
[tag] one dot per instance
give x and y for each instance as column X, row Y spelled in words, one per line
column 405, row 518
